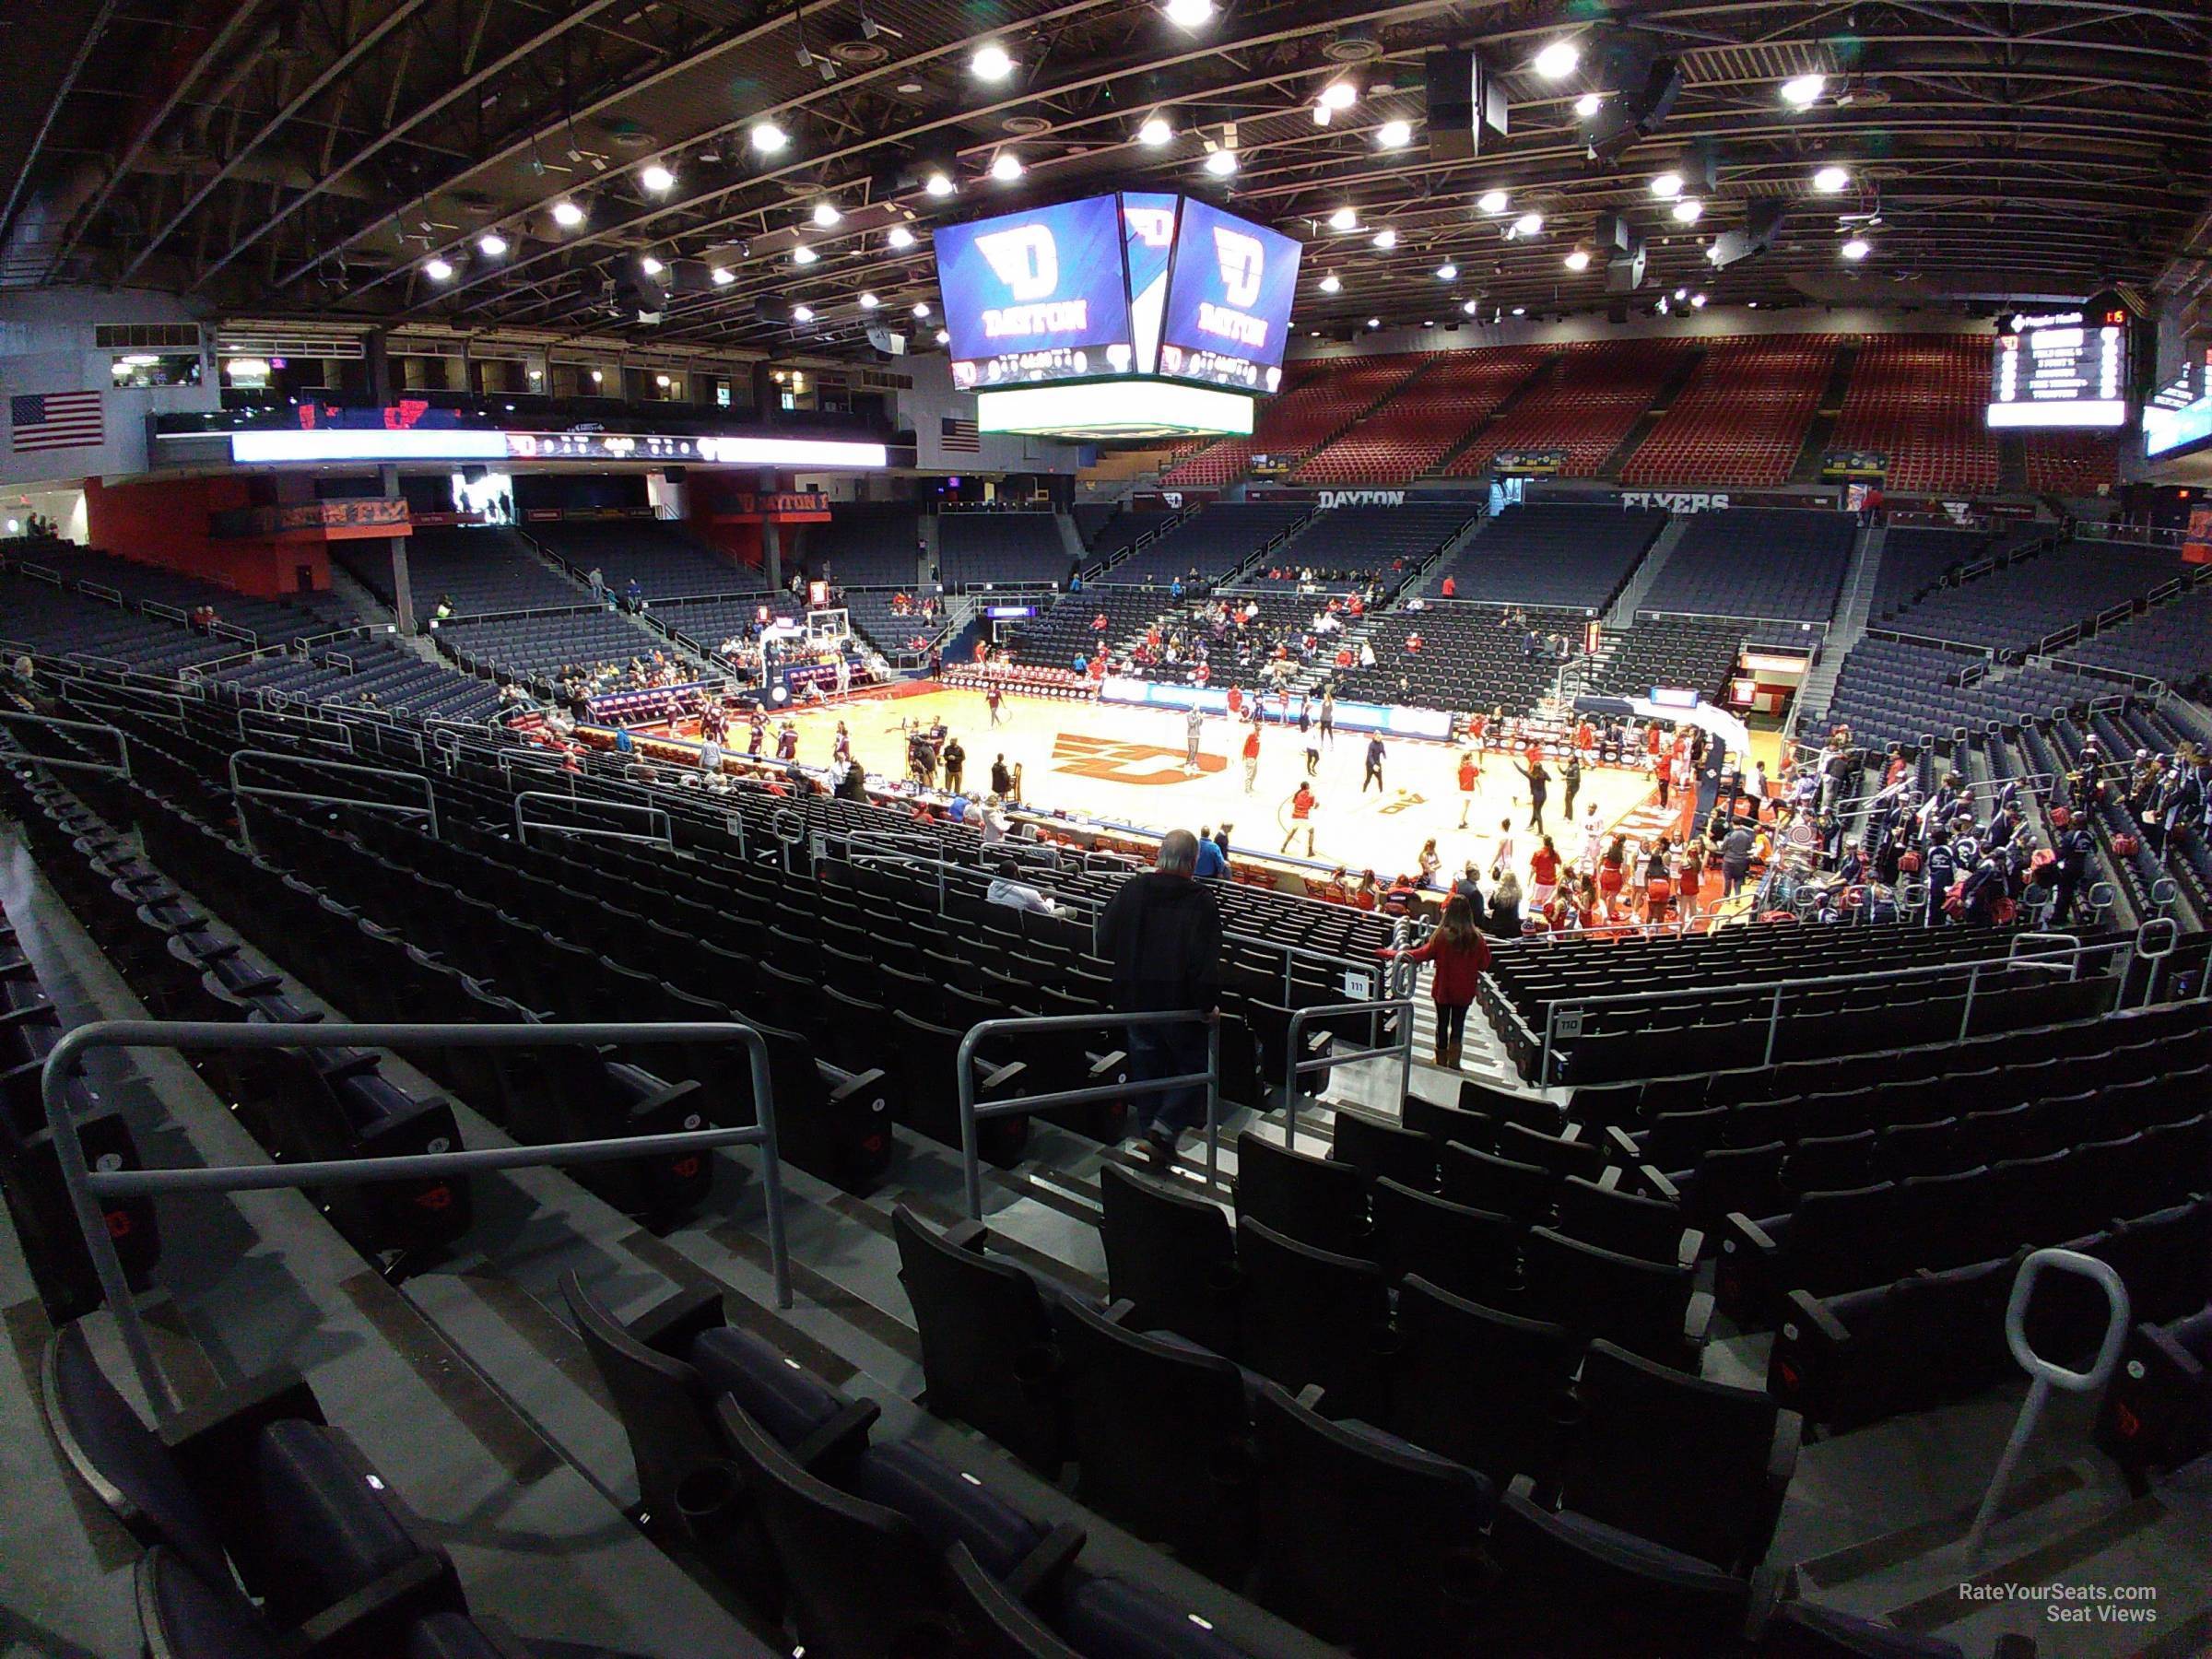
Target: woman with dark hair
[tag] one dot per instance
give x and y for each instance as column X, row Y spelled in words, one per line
column 1461, row 955
column 1612, row 872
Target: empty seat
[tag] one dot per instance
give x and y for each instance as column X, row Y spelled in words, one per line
column 1313, row 1200
column 1376, row 1150
column 1650, row 1308
column 1469, row 1252
column 1483, row 1388
column 1172, row 1255
column 1307, row 1316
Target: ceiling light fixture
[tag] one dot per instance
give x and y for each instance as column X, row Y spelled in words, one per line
column 944, row 338
column 1386, row 239
column 1578, row 259
column 1154, row 131
column 1005, row 167
column 650, row 266
column 1529, row 223
column 1857, row 249
column 1374, row 322
column 437, row 270
column 991, row 62
column 1188, row 14
column 899, row 237
column 1666, row 186
column 1697, row 302
column 804, row 255
column 802, row 313
column 1557, row 61
column 491, row 244
column 567, row 215
column 1830, row 180
column 869, row 302
column 1344, row 219
column 1447, row 272
column 767, row 137
column 1339, row 95
column 1588, row 104
column 1471, row 306
column 656, row 178
column 826, row 214
column 723, row 276
column 1395, row 135
column 1331, row 284
column 1800, row 91
column 920, row 308
column 939, row 185
column 1221, row 163
column 1519, row 311
column 1689, row 210
column 1493, row 201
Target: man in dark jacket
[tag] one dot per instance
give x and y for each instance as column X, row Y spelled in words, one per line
column 1162, row 933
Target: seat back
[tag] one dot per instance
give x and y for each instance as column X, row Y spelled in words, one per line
column 660, row 1399
column 1640, row 1304
column 987, row 1353
column 1377, row 1150
column 1469, row 1252
column 997, row 1624
column 1365, row 1539
column 1628, row 1222
column 1525, row 1192
column 1483, row 1388
column 182, row 1615
column 1313, row 1200
column 1678, row 1460
column 1307, row 1315
column 1170, row 1255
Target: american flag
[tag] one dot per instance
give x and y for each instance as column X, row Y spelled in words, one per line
column 958, row 437
column 51, row 420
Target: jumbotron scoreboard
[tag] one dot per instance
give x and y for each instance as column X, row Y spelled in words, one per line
column 1130, row 315
column 2061, row 368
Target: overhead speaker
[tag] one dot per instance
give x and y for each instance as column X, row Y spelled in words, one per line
column 1637, row 112
column 772, row 308
column 1612, row 234
column 1623, row 272
column 690, row 276
column 1464, row 98
column 1733, row 247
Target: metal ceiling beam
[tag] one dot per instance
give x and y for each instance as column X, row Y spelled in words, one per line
column 584, row 14
column 61, row 90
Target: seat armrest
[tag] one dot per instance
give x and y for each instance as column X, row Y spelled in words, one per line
column 1310, row 1396
column 1655, row 1184
column 1041, row 1569
column 372, row 1622
column 671, row 1325
column 1689, row 1247
column 1781, row 1455
column 1117, row 1313
column 995, row 1078
column 968, row 1235
column 215, row 1438
column 666, row 1095
column 1743, row 1276
column 1109, row 1062
column 857, row 1084
column 1697, row 1320
column 1608, row 1179
column 847, row 1431
column 1810, row 1347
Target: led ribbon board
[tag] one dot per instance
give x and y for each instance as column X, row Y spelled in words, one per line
column 1228, row 301
column 1036, row 295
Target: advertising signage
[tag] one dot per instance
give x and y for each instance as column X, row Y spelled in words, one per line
column 1036, row 295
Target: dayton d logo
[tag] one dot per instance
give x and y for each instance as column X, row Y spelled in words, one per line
column 1104, row 758
column 1243, row 260
column 1024, row 259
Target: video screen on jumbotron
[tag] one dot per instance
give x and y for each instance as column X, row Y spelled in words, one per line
column 1230, row 288
column 2061, row 368
column 1036, row 295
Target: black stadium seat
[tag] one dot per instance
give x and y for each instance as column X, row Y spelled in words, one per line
column 1172, row 1255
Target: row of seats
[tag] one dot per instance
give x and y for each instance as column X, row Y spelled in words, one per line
column 1000, row 548
column 1355, row 545
column 479, row 569
column 537, row 648
column 2021, row 603
column 1468, row 653
column 1697, row 653
column 1921, row 401
column 1212, row 542
column 1585, row 406
column 1778, row 563
column 271, row 621
column 866, row 544
column 1742, row 416
column 1425, row 421
column 2170, row 641
column 1565, row 556
column 1317, row 400
column 661, row 557
column 1893, row 692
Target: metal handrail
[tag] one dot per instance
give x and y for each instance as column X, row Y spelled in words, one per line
column 278, row 720
column 522, row 828
column 239, row 792
column 85, row 1186
column 1294, row 1068
column 1575, row 1006
column 971, row 1169
column 2047, row 1375
column 120, row 766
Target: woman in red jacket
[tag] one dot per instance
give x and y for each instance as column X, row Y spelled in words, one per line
column 1461, row 955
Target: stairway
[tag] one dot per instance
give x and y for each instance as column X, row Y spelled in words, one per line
column 1661, row 402
column 1536, row 376
column 1647, row 571
column 1071, row 539
column 1812, row 455
column 1849, row 624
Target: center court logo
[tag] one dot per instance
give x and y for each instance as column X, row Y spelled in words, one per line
column 1026, row 261
column 1114, row 762
column 1243, row 262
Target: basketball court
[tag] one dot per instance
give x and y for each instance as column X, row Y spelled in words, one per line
column 1125, row 764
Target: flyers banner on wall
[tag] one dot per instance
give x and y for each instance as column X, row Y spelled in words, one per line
column 1228, row 301
column 1036, row 295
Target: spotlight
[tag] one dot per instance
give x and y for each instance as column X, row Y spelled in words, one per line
column 991, row 62
column 1830, row 180
column 650, row 266
column 920, row 308
column 1519, row 311
column 1339, row 95
column 1005, row 167
column 1471, row 306
column 826, row 214
column 869, row 302
column 1344, row 219
column 899, row 237
column 767, row 137
column 1697, row 302
column 1447, row 272
column 804, row 255
column 656, row 178
column 1493, row 201
column 1588, row 104
column 938, row 185
column 1331, row 284
column 1374, row 322
column 491, row 244
column 437, row 270
column 1689, row 210
column 944, row 338
column 802, row 313
column 1188, row 14
column 1528, row 224
column 1800, row 91
column 1558, row 60
column 1395, row 135
column 1221, row 163
column 1681, row 294
column 1578, row 260
column 1386, row 239
column 1857, row 249
column 1666, row 186
column 723, row 276
column 1154, row 131
column 567, row 215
